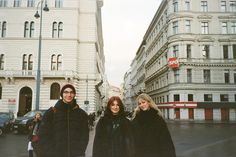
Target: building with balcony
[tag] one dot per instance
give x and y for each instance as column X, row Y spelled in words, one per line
column 71, row 52
column 190, row 65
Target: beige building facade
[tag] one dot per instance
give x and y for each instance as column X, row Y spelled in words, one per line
column 71, row 52
column 190, row 65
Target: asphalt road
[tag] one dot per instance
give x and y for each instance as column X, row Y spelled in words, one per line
column 191, row 139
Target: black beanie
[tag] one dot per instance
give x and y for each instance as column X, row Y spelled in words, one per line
column 67, row 86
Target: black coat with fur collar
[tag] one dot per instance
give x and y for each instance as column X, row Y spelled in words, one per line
column 64, row 131
column 152, row 137
column 113, row 137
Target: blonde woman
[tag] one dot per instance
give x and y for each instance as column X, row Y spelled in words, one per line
column 152, row 137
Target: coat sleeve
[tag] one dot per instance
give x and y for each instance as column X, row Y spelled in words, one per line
column 46, row 134
column 167, row 146
column 98, row 149
column 84, row 133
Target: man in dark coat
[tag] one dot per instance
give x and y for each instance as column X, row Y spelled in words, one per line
column 64, row 128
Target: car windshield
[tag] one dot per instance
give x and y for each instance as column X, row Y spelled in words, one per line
column 4, row 115
column 32, row 113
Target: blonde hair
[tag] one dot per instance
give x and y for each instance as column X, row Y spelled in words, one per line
column 151, row 103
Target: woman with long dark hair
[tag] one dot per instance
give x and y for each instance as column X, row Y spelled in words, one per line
column 113, row 136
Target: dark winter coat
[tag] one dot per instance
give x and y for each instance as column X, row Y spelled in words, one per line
column 64, row 131
column 152, row 137
column 113, row 137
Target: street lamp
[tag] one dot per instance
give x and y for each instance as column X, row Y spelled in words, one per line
column 39, row 50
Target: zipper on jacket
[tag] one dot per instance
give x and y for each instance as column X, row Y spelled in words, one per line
column 68, row 132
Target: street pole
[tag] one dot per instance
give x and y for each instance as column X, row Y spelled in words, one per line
column 38, row 78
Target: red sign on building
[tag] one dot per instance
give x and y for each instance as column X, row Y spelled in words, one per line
column 173, row 62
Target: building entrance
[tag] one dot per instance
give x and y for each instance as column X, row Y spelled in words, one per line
column 25, row 101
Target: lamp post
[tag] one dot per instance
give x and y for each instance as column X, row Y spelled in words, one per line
column 39, row 50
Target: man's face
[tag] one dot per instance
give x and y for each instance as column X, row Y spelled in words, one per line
column 68, row 95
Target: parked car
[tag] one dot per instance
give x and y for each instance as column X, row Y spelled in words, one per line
column 21, row 124
column 6, row 122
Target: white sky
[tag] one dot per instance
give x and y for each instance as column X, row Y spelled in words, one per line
column 124, row 25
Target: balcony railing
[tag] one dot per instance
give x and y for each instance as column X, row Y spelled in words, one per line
column 32, row 73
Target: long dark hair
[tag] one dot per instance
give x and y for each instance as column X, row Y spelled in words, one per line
column 110, row 102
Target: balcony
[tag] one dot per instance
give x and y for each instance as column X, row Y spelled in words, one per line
column 32, row 74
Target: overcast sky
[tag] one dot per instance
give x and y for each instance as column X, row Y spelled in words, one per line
column 124, row 25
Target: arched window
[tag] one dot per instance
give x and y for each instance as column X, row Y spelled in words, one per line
column 60, row 29
column 0, row 91
column 2, row 62
column 54, row 29
column 55, row 91
column 30, row 62
column 4, row 29
column 32, row 29
column 59, row 62
column 26, row 29
column 24, row 62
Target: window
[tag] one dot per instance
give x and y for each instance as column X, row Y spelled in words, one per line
column 56, row 62
column 27, row 62
column 190, row 97
column 189, row 75
column 224, row 97
column 175, row 27
column 234, row 51
column 187, row 5
column 226, row 75
column 4, row 28
column 176, row 51
column 58, row 3
column 26, row 29
column 188, row 49
column 224, row 28
column 176, row 97
column 234, row 77
column 30, row 3
column 176, row 76
column 3, row 3
column 17, row 3
column 54, row 29
column 0, row 91
column 32, row 29
column 207, row 76
column 225, row 52
column 55, row 91
column 233, row 28
column 207, row 97
column 223, row 6
column 206, row 51
column 60, row 29
column 187, row 26
column 2, row 62
column 175, row 5
column 232, row 6
column 204, row 28
column 204, row 7
column 30, row 62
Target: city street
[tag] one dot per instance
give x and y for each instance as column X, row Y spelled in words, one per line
column 191, row 139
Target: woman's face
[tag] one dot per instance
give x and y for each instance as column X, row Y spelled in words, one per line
column 115, row 108
column 37, row 116
column 143, row 104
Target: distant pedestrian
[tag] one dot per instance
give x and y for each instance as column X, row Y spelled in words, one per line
column 64, row 129
column 33, row 134
column 113, row 137
column 152, row 137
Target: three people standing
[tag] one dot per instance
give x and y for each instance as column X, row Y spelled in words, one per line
column 64, row 128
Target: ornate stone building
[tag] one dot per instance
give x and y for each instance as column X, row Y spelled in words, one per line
column 190, row 66
column 71, row 52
